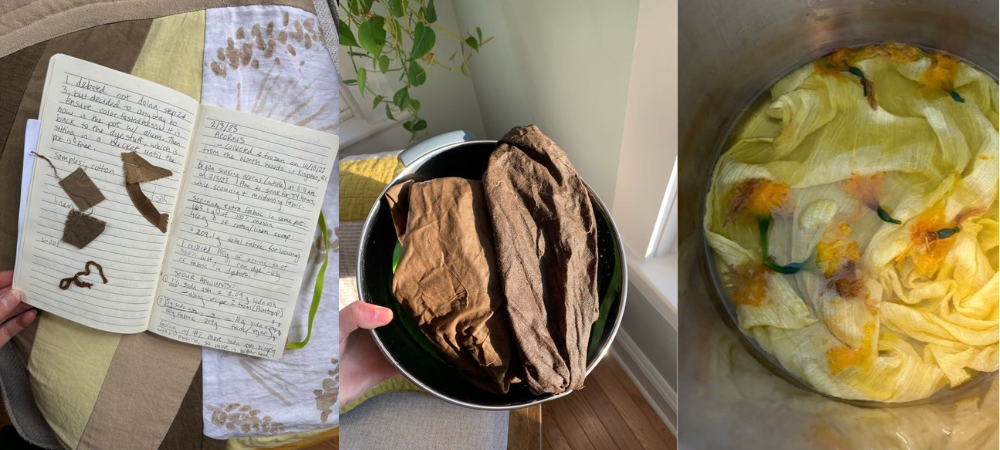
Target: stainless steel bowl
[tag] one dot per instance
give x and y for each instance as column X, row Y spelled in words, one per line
column 458, row 155
column 731, row 52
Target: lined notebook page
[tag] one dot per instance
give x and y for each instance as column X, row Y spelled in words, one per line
column 243, row 231
column 90, row 115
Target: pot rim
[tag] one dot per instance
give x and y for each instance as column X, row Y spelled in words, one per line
column 604, row 348
column 720, row 298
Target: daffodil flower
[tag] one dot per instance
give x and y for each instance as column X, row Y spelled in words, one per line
column 762, row 198
column 865, row 189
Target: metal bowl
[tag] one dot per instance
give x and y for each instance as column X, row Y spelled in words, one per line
column 733, row 52
column 457, row 155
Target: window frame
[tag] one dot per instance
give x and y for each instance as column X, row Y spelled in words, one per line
column 365, row 121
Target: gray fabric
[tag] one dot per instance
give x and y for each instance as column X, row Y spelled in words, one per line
column 417, row 421
column 326, row 12
column 20, row 403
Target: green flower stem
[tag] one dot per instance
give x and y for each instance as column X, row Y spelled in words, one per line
column 866, row 84
column 947, row 232
column 764, row 225
column 884, row 215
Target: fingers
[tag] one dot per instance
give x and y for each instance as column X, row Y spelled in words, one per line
column 363, row 315
column 15, row 325
column 362, row 367
column 6, row 278
column 11, row 304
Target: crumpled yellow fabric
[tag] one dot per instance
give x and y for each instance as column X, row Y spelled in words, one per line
column 923, row 147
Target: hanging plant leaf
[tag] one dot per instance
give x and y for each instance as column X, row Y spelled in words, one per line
column 479, row 33
column 465, row 70
column 471, row 41
column 362, row 80
column 392, row 26
column 429, row 13
column 416, row 74
column 371, row 35
column 423, row 40
column 365, row 5
column 383, row 64
column 388, row 113
column 414, row 106
column 401, row 98
column 346, row 35
column 350, row 82
column 378, row 99
column 418, row 125
column 397, row 7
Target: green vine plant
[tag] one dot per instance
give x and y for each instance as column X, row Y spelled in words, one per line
column 383, row 28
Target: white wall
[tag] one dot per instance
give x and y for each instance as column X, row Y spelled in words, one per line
column 649, row 143
column 563, row 65
column 447, row 100
column 646, row 347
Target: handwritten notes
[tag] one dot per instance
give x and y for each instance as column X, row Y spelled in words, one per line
column 243, row 201
column 242, row 233
column 89, row 116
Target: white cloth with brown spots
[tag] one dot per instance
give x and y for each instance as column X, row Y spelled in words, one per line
column 272, row 61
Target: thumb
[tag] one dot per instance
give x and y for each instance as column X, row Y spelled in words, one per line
column 363, row 315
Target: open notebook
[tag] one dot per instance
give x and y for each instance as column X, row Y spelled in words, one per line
column 242, row 205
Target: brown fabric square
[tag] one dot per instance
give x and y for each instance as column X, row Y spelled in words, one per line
column 81, row 189
column 81, row 229
column 447, row 279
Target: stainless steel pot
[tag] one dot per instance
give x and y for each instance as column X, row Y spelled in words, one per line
column 731, row 52
column 456, row 154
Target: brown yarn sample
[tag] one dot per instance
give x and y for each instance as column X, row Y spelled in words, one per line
column 138, row 170
column 81, row 229
column 81, row 189
column 546, row 248
column 447, row 278
column 75, row 279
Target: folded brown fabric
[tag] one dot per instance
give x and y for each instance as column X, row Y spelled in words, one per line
column 447, row 277
column 546, row 247
column 398, row 197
